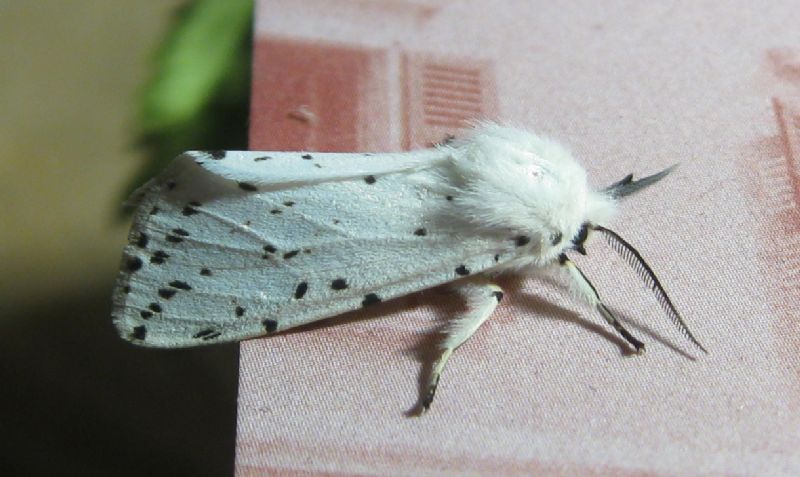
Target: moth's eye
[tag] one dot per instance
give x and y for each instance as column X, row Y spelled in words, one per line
column 580, row 237
column 555, row 238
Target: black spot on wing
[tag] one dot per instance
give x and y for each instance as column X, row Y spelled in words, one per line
column 188, row 210
column 239, row 311
column 262, row 158
column 301, row 290
column 462, row 270
column 145, row 314
column 154, row 210
column 420, row 232
column 307, row 157
column 154, row 307
column 126, row 289
column 142, row 240
column 207, row 334
column 522, row 240
column 449, row 197
column 268, row 251
column 289, row 203
column 133, row 264
column 291, row 254
column 498, row 295
column 270, row 325
column 176, row 236
column 205, row 272
column 248, row 187
column 370, row 179
column 339, row 284
column 370, row 299
column 166, row 293
column 139, row 333
column 275, row 211
column 180, row 285
column 159, row 257
column 216, row 154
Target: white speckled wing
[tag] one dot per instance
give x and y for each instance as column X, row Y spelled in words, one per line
column 226, row 248
column 278, row 170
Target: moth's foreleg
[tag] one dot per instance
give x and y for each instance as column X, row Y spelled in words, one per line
column 589, row 293
column 482, row 298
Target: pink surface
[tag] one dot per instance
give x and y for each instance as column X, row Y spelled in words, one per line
column 544, row 387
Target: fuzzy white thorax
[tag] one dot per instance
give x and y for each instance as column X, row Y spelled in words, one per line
column 514, row 181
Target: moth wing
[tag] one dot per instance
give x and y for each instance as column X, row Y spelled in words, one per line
column 213, row 258
column 276, row 170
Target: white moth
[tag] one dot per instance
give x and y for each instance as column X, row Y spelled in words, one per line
column 229, row 245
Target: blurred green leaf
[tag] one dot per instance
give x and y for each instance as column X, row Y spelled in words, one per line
column 198, row 96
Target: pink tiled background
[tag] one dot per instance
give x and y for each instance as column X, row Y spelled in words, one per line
column 544, row 388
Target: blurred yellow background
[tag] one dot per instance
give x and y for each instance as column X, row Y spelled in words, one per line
column 70, row 75
column 77, row 400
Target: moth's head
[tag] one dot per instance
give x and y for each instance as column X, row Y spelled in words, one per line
column 570, row 233
column 600, row 206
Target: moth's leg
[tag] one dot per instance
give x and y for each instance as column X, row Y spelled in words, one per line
column 482, row 297
column 589, row 293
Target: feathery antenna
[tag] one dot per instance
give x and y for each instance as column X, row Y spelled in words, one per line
column 635, row 260
column 628, row 186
